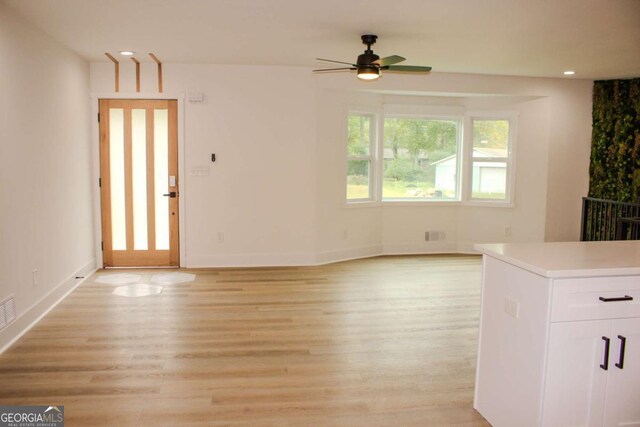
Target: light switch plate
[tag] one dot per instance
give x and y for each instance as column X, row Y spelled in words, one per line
column 195, row 97
column 200, row 171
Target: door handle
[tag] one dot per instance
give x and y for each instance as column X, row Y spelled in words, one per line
column 624, row 298
column 623, row 344
column 172, row 194
column 605, row 365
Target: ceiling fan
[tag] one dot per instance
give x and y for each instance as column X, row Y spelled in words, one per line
column 369, row 65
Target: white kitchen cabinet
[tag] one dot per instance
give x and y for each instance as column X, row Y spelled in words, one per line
column 623, row 385
column 576, row 385
column 553, row 320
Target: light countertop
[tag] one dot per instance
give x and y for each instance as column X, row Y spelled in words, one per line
column 570, row 259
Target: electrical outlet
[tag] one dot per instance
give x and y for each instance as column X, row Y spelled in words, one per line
column 511, row 307
column 507, row 231
column 34, row 277
column 220, row 236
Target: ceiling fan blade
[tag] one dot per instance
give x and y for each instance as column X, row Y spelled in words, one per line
column 389, row 60
column 333, row 69
column 407, row 68
column 337, row 62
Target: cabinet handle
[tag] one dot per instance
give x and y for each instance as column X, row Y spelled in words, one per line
column 624, row 298
column 605, row 365
column 623, row 343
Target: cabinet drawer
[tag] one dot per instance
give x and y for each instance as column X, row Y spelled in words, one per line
column 581, row 299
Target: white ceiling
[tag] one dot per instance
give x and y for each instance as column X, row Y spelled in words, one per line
column 599, row 39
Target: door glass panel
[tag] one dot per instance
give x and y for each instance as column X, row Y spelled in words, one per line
column 139, row 178
column 116, row 172
column 161, row 176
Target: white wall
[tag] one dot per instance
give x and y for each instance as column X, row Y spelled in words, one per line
column 45, row 174
column 260, row 192
column 569, row 153
column 277, row 189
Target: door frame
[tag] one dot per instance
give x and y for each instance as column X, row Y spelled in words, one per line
column 95, row 166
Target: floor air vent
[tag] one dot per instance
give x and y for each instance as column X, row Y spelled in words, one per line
column 434, row 236
column 7, row 312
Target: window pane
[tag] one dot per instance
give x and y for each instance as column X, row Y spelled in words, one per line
column 139, row 178
column 491, row 138
column 420, row 159
column 358, row 172
column 491, row 143
column 359, row 141
column 116, row 173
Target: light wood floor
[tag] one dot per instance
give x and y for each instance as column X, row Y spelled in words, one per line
column 387, row 341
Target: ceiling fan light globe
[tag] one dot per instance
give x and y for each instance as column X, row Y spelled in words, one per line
column 368, row 73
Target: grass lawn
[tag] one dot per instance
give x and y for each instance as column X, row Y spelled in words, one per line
column 396, row 189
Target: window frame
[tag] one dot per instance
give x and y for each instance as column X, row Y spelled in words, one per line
column 509, row 200
column 372, row 158
column 398, row 201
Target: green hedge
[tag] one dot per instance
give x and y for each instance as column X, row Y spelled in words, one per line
column 614, row 172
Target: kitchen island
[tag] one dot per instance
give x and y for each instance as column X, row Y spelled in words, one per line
column 559, row 341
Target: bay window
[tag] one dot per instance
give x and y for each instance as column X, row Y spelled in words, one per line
column 420, row 158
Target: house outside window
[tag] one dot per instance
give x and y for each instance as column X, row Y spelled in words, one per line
column 491, row 159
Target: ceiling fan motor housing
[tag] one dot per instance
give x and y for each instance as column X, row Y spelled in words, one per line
column 368, row 56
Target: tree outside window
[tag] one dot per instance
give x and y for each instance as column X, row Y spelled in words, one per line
column 420, row 158
column 360, row 138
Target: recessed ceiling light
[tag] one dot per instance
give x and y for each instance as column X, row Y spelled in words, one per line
column 126, row 53
column 569, row 73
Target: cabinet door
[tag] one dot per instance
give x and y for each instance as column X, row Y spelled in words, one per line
column 622, row 407
column 575, row 385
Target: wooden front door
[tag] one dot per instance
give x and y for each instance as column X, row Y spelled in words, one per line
column 139, row 182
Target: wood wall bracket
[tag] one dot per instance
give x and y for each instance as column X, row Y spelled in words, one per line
column 157, row 61
column 137, row 73
column 117, row 70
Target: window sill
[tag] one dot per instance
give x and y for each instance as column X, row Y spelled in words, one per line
column 353, row 204
column 425, row 203
column 489, row 204
column 422, row 203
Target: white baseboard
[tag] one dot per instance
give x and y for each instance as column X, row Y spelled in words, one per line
column 38, row 310
column 420, row 248
column 348, row 254
column 250, row 260
column 327, row 257
column 469, row 247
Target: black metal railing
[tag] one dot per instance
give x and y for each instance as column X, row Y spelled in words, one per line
column 609, row 220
